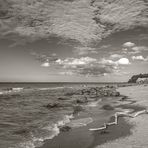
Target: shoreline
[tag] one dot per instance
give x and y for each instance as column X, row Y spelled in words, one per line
column 139, row 135
column 81, row 137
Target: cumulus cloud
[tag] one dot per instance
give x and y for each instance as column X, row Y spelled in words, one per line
column 84, row 50
column 123, row 61
column 85, row 21
column 140, row 48
column 73, row 62
column 86, row 66
column 137, row 49
column 140, row 58
column 45, row 59
column 128, row 44
column 115, row 56
column 92, row 67
column 46, row 64
column 132, row 49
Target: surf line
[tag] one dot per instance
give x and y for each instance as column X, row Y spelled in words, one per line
column 116, row 115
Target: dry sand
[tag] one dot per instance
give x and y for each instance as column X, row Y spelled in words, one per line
column 139, row 136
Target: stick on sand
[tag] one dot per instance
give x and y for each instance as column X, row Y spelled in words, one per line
column 116, row 119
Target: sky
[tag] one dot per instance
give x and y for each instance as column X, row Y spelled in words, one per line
column 73, row 40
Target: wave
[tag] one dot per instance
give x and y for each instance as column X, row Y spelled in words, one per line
column 38, row 137
column 11, row 90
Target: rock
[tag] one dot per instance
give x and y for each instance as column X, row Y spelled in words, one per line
column 63, row 98
column 81, row 100
column 53, row 105
column 65, row 128
column 21, row 131
column 77, row 109
column 123, row 98
column 115, row 94
column 107, row 107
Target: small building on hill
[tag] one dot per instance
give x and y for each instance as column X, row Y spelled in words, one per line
column 142, row 80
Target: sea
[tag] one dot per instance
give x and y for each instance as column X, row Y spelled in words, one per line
column 25, row 121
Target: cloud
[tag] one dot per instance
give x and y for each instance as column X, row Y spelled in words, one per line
column 45, row 59
column 46, row 64
column 131, row 48
column 74, row 62
column 137, row 49
column 105, row 46
column 123, row 61
column 140, row 58
column 85, row 50
column 86, row 66
column 79, row 20
column 128, row 44
column 115, row 56
column 140, row 48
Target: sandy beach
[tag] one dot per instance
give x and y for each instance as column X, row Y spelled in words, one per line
column 127, row 133
column 138, row 138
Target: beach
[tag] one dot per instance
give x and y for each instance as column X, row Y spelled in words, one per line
column 129, row 132
column 138, row 138
column 72, row 116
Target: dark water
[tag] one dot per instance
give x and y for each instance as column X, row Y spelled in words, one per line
column 25, row 122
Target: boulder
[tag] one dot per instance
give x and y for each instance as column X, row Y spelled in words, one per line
column 123, row 98
column 107, row 107
column 53, row 105
column 115, row 94
column 77, row 109
column 81, row 100
column 65, row 128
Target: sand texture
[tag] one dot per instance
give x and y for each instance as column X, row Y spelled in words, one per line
column 139, row 136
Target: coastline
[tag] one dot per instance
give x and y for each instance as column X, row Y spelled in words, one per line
column 81, row 137
column 138, row 138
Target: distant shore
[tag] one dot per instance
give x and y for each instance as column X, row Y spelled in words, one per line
column 83, row 138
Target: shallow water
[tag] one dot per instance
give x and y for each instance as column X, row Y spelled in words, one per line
column 23, row 118
column 25, row 122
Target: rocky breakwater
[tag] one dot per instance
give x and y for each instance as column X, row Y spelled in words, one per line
column 72, row 96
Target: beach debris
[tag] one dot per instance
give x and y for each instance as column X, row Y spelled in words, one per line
column 98, row 129
column 141, row 112
column 116, row 115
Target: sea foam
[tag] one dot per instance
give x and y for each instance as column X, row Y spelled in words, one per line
column 49, row 132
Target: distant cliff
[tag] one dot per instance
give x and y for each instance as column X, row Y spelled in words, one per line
column 134, row 78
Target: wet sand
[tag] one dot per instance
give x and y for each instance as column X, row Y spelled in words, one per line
column 138, row 138
column 83, row 138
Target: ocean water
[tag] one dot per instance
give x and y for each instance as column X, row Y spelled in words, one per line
column 25, row 121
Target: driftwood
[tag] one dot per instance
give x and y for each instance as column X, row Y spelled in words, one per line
column 97, row 129
column 118, row 114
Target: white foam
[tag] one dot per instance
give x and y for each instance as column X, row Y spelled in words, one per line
column 50, row 131
column 1, row 93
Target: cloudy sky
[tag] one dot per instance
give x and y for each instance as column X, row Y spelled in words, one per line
column 73, row 40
